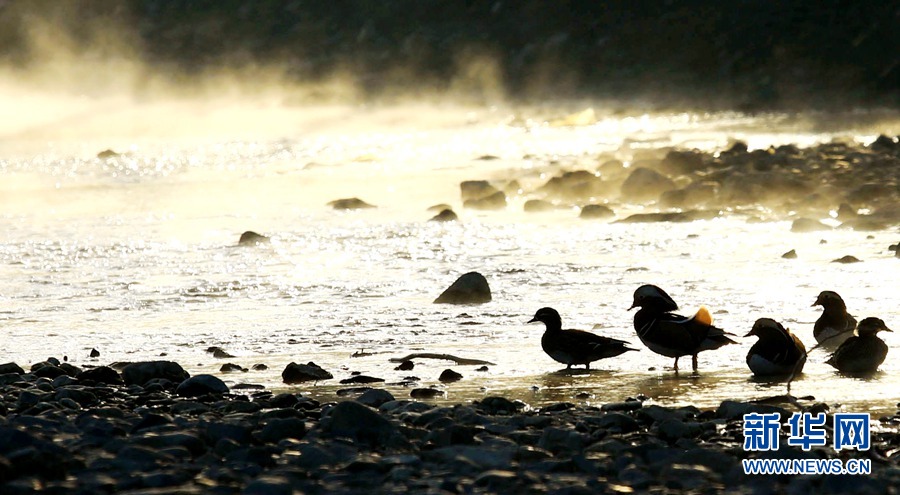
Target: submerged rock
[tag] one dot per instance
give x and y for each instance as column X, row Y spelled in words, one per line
column 297, row 373
column 471, row 288
column 349, row 204
column 425, row 393
column 537, row 205
column 250, row 238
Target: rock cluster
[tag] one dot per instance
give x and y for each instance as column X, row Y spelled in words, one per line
column 71, row 434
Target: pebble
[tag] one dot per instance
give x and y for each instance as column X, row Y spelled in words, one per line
column 72, row 435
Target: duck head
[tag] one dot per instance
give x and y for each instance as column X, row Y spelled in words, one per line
column 765, row 328
column 830, row 299
column 548, row 316
column 653, row 298
column 871, row 326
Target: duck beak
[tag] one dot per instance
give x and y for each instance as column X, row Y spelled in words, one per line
column 632, row 306
column 751, row 333
column 532, row 320
column 886, row 329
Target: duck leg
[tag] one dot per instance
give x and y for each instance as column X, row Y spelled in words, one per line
column 676, row 364
column 694, row 362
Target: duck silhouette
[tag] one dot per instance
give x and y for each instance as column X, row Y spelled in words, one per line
column 572, row 347
column 863, row 353
column 777, row 352
column 835, row 325
column 672, row 335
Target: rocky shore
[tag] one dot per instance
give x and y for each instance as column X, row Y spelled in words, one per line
column 152, row 429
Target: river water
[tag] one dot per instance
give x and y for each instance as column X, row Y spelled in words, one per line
column 137, row 257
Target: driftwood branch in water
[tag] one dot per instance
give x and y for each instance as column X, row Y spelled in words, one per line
column 449, row 357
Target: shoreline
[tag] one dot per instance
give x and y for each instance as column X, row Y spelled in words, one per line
column 90, row 434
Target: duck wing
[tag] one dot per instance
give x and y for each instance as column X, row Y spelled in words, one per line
column 596, row 346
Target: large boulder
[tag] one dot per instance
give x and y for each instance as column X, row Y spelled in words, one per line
column 101, row 374
column 143, row 372
column 644, row 184
column 296, row 373
column 471, row 288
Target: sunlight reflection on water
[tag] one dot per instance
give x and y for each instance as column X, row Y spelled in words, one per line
column 136, row 257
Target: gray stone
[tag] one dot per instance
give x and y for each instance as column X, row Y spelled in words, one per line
column 496, row 201
column 101, row 374
column 470, row 288
column 349, row 204
column 250, row 238
column 143, row 372
column 644, row 184
column 596, row 212
column 297, row 373
column 444, row 216
column 11, row 368
column 537, row 206
column 616, row 422
column 559, row 440
column 279, row 429
column 198, row 385
column 268, row 484
column 449, row 375
column 354, row 420
column 476, row 189
column 375, row 397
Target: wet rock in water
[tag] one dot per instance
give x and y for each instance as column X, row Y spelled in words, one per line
column 405, row 366
column 375, row 397
column 425, row 393
column 362, row 379
column 107, row 153
column 142, row 372
column 11, row 368
column 481, row 368
column 677, row 217
column 577, row 185
column 222, row 354
column 496, row 201
column 269, row 484
column 596, row 212
column 513, row 188
column 250, row 238
column 846, row 212
column 231, row 368
column 629, row 405
column 790, row 255
column 198, row 385
column 101, row 374
column 349, row 204
column 644, row 184
column 476, row 189
column 297, row 373
column 470, row 288
column 801, row 225
column 448, row 376
column 259, row 367
column 732, row 410
column 94, row 353
column 697, row 194
column 847, row 259
column 537, row 206
column 445, row 216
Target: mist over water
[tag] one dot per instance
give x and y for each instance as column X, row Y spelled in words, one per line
column 135, row 254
